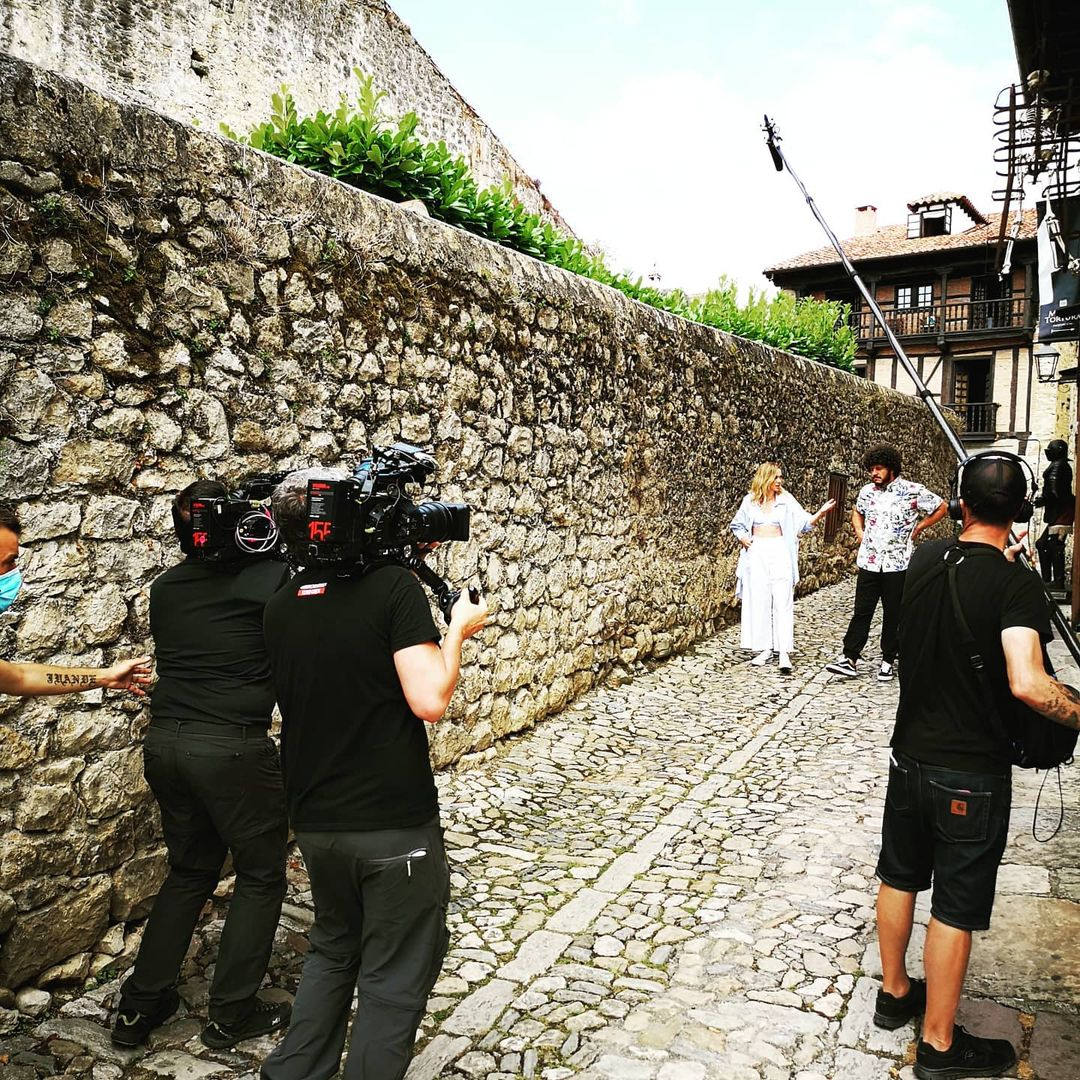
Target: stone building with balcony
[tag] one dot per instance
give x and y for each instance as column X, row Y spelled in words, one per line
column 968, row 330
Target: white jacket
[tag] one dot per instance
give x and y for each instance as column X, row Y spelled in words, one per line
column 794, row 521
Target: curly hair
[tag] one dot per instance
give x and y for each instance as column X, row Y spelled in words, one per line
column 883, row 454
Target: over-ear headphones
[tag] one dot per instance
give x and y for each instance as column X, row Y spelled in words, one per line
column 1027, row 507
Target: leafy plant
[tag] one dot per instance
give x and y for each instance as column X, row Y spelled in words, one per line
column 359, row 146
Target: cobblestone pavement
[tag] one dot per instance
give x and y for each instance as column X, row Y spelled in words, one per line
column 672, row 880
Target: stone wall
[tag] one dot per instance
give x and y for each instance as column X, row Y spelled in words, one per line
column 174, row 306
column 205, row 62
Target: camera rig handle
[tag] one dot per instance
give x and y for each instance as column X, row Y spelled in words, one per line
column 445, row 596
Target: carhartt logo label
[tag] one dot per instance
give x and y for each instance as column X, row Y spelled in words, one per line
column 316, row 588
column 958, row 807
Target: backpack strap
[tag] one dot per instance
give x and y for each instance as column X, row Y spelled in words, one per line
column 967, row 639
column 953, row 557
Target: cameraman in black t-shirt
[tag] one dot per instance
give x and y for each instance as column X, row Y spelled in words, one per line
column 358, row 668
column 216, row 776
column 949, row 794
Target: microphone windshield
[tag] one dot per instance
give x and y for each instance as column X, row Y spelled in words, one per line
column 772, row 138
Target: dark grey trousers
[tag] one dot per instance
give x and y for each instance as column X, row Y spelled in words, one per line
column 217, row 794
column 380, row 928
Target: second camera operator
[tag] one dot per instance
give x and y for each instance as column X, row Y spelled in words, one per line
column 358, row 668
column 216, row 776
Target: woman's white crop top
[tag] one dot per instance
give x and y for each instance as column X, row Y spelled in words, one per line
column 760, row 516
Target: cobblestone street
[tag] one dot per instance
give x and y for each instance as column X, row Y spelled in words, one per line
column 672, row 880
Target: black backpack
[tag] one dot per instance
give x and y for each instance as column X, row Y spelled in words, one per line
column 1035, row 741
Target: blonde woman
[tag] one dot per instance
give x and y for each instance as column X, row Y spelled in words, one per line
column 768, row 525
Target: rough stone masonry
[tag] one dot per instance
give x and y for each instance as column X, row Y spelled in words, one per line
column 204, row 62
column 175, row 306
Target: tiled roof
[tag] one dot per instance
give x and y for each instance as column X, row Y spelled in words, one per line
column 957, row 197
column 891, row 241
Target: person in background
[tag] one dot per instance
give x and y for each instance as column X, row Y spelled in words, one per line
column 890, row 513
column 37, row 680
column 1059, row 506
column 768, row 525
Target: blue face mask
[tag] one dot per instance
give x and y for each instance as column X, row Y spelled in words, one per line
column 10, row 583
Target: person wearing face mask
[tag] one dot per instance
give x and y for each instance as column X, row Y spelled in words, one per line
column 10, row 574
column 768, row 526
column 37, row 680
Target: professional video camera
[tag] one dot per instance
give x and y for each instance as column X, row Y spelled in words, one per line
column 238, row 522
column 368, row 519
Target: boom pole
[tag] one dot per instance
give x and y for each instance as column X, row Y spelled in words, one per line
column 780, row 161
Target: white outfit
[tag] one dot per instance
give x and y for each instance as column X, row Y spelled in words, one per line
column 768, row 599
column 768, row 572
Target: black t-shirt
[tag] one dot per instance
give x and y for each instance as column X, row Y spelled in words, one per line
column 942, row 717
column 355, row 757
column 206, row 621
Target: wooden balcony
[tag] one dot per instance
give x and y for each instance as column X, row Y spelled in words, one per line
column 977, row 418
column 974, row 318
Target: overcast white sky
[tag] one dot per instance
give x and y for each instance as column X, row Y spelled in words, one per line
column 641, row 118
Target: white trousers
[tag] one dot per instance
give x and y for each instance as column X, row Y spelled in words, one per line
column 768, row 596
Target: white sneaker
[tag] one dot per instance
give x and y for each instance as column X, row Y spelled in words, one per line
column 887, row 671
column 785, row 663
column 762, row 658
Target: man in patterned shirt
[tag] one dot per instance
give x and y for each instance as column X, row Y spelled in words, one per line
column 889, row 514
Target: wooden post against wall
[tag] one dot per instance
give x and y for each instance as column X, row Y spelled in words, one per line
column 1076, row 505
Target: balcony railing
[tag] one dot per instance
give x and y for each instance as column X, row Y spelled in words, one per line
column 953, row 317
column 977, row 417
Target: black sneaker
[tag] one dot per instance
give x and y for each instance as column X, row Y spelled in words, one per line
column 132, row 1028
column 891, row 1012
column 266, row 1017
column 969, row 1055
column 844, row 666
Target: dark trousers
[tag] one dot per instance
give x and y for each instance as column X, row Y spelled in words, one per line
column 217, row 794
column 380, row 928
column 870, row 587
column 1051, row 551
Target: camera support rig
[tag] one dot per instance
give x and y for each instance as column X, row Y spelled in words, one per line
column 367, row 520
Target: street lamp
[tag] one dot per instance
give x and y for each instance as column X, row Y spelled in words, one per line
column 1046, row 362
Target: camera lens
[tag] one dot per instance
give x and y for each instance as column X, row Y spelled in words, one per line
column 434, row 522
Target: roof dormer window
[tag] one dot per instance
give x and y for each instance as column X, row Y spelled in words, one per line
column 933, row 221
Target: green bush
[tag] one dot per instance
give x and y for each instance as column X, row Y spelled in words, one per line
column 358, row 146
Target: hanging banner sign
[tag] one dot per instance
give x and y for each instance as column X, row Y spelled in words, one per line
column 1059, row 285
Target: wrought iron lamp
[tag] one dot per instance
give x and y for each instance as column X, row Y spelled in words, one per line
column 1046, row 362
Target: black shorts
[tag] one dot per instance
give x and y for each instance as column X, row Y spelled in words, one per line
column 949, row 827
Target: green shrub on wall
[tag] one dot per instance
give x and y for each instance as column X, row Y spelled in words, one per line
column 358, row 146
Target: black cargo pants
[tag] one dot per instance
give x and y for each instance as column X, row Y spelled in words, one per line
column 380, row 928
column 220, row 790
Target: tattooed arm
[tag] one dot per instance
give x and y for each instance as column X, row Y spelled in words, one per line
column 1030, row 683
column 36, row 680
